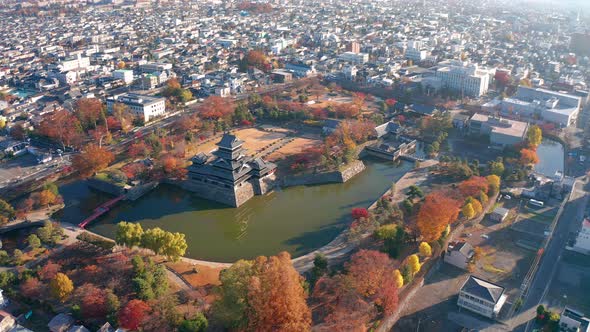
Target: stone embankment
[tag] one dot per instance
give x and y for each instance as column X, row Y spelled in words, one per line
column 340, row 176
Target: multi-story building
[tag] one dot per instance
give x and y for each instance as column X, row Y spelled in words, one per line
column 541, row 104
column 146, row 107
column 354, row 58
column 583, row 238
column 482, row 297
column 502, row 132
column 74, row 63
column 465, row 78
column 229, row 176
column 124, row 75
column 572, row 320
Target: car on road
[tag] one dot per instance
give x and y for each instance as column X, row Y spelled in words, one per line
column 485, row 236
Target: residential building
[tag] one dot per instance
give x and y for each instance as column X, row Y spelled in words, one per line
column 124, row 75
column 459, row 254
column 465, row 78
column 542, row 104
column 60, row 323
column 572, row 320
column 482, row 297
column 74, row 63
column 301, row 69
column 583, row 238
column 229, row 176
column 354, row 58
column 499, row 214
column 502, row 132
column 143, row 106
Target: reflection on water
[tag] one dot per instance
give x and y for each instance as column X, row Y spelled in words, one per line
column 551, row 158
column 297, row 219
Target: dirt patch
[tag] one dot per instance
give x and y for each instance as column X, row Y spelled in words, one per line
column 297, row 145
column 255, row 139
column 197, row 275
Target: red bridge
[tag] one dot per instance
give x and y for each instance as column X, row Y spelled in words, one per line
column 99, row 211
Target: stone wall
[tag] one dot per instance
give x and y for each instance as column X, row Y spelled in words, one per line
column 342, row 176
column 243, row 193
column 211, row 192
column 106, row 187
column 140, row 190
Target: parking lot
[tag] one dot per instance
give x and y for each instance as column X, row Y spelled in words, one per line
column 24, row 167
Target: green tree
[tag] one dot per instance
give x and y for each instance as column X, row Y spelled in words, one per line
column 18, row 256
column 174, row 245
column 415, row 191
column 320, row 267
column 198, row 323
column 33, row 241
column 7, row 278
column 49, row 234
column 154, row 239
column 6, row 212
column 232, row 305
column 497, row 168
column 129, row 234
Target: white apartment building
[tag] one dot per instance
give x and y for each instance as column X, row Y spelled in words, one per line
column 466, row 78
column 583, row 239
column 481, row 297
column 74, row 63
column 354, row 58
column 124, row 75
column 146, row 107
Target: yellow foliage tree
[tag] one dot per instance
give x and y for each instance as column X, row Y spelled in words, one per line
column 61, row 287
column 493, row 183
column 534, row 136
column 414, row 264
column 468, row 211
column 399, row 279
column 425, row 249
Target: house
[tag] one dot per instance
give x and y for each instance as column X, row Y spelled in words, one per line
column 78, row 328
column 60, row 323
column 499, row 214
column 7, row 322
column 106, row 328
column 387, row 128
column 424, row 110
column 482, row 297
column 573, row 321
column 459, row 254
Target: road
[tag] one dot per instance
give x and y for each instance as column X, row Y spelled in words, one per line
column 569, row 221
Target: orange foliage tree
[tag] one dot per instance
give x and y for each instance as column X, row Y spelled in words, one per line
column 215, row 108
column 276, row 296
column 528, row 157
column 133, row 314
column 92, row 159
column 88, row 111
column 473, row 186
column 438, row 211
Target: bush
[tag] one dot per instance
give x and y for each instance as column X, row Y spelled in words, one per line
column 96, row 240
column 196, row 324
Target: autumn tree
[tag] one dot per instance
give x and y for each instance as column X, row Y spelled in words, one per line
column 132, row 315
column 497, row 167
column 468, row 211
column 128, row 234
column 92, row 301
column 534, row 136
column 414, row 264
column 49, row 271
column 62, row 127
column 473, row 186
column 358, row 213
column 31, row 288
column 89, row 111
column 425, row 249
column 437, row 211
column 215, row 108
column 399, row 280
column 122, row 114
column 258, row 59
column 475, row 204
column 61, row 287
column 92, row 159
column 528, row 157
column 276, row 296
column 493, row 183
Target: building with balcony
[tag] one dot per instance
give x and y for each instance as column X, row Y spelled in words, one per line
column 482, row 297
column 143, row 106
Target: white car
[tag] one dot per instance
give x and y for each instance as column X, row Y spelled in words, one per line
column 485, row 236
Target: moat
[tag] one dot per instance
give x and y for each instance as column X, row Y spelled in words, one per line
column 296, row 219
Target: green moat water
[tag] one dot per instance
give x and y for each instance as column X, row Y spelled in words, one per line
column 297, row 219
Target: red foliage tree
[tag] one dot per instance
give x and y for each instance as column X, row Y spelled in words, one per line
column 62, row 127
column 368, row 270
column 358, row 213
column 215, row 108
column 258, row 59
column 139, row 150
column 133, row 314
column 473, row 186
column 92, row 301
column 49, row 271
column 88, row 111
column 390, row 102
column 31, row 288
column 437, row 211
